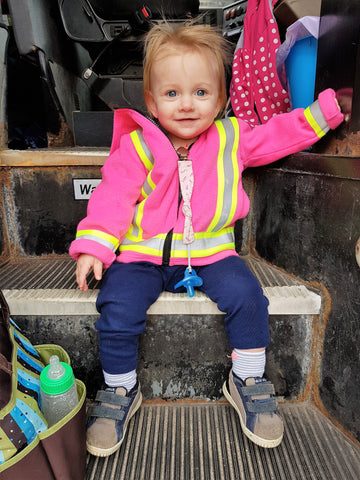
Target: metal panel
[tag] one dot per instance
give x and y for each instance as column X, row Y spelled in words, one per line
column 338, row 63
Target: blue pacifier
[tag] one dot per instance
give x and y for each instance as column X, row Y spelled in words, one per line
column 190, row 281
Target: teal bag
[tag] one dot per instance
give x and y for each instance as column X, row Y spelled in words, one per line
column 26, row 442
column 21, row 419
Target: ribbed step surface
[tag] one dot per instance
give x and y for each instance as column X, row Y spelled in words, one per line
column 205, row 442
column 59, row 273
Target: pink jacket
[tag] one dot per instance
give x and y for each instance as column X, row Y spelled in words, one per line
column 135, row 210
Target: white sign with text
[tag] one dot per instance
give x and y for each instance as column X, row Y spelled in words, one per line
column 83, row 187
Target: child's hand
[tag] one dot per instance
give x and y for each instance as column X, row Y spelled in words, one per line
column 84, row 264
column 344, row 100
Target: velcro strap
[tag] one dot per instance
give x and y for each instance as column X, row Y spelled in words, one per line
column 106, row 412
column 112, row 398
column 262, row 406
column 264, row 388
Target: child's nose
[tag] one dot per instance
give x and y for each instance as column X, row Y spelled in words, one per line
column 187, row 102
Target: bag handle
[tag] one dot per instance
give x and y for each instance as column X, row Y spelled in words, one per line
column 5, row 366
column 5, row 310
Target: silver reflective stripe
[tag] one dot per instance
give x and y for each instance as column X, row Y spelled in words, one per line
column 204, row 245
column 146, row 149
column 228, row 175
column 148, row 160
column 153, row 242
column 319, row 117
column 98, row 240
column 146, row 188
column 152, row 246
column 134, row 228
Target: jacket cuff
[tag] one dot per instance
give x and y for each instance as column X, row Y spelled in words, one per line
column 330, row 108
column 104, row 254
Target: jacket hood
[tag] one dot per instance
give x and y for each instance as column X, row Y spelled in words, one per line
column 126, row 121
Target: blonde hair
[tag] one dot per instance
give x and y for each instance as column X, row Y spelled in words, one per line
column 193, row 36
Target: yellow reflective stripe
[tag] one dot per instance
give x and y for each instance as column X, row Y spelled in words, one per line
column 315, row 126
column 234, row 191
column 201, row 235
column 139, row 213
column 98, row 235
column 228, row 174
column 133, row 238
column 177, row 253
column 140, row 150
column 139, row 217
column 141, row 249
column 151, row 185
column 220, row 174
column 202, row 253
column 147, row 159
column 205, row 244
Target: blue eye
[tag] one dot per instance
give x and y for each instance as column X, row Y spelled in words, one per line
column 200, row 93
column 172, row 93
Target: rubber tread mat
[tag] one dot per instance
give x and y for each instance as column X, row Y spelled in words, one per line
column 205, row 442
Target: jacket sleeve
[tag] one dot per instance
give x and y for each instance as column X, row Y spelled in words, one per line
column 111, row 205
column 290, row 132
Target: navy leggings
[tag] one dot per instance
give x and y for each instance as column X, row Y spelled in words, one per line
column 129, row 289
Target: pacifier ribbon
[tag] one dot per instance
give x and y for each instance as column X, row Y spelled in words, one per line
column 186, row 176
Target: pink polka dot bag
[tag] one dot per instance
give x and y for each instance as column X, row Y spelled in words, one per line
column 255, row 91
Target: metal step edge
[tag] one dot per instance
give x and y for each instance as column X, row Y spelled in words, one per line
column 287, row 300
column 47, row 286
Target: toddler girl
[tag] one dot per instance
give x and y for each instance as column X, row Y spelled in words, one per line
column 170, row 195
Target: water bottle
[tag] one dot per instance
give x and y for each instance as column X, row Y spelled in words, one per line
column 58, row 393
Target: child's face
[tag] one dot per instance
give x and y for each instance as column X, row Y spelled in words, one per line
column 184, row 95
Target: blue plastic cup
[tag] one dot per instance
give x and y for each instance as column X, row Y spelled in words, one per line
column 300, row 67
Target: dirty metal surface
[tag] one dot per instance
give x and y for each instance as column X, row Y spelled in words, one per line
column 59, row 273
column 205, row 442
column 40, row 273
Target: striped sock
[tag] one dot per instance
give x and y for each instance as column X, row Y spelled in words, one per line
column 126, row 380
column 248, row 364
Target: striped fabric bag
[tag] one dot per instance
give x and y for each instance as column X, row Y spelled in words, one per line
column 28, row 448
column 21, row 418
